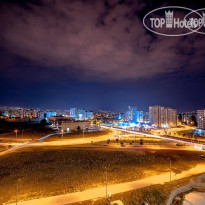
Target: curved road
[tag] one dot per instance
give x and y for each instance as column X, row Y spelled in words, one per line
column 200, row 145
column 41, row 142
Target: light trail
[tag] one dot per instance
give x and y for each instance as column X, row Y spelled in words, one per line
column 196, row 145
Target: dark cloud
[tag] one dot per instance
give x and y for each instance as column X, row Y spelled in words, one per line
column 102, row 40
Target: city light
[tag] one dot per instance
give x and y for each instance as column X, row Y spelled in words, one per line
column 102, row 102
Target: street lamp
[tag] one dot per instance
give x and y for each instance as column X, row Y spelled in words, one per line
column 17, row 189
column 16, row 131
column 106, row 182
column 170, row 164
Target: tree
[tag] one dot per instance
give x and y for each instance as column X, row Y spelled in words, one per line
column 141, row 141
column 43, row 122
column 78, row 128
column 141, row 129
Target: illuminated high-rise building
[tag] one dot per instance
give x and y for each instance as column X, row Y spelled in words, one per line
column 81, row 114
column 146, row 117
column 34, row 113
column 139, row 117
column 156, row 116
column 126, row 118
column 121, row 116
column 41, row 114
column 89, row 114
column 20, row 113
column 163, row 116
column 131, row 113
column 73, row 112
column 201, row 119
column 50, row 114
column 170, row 116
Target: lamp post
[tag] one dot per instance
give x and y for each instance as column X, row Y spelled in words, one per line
column 170, row 164
column 16, row 131
column 106, row 182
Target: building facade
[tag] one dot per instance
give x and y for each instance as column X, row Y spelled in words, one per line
column 156, row 115
column 73, row 112
column 139, row 116
column 131, row 113
column 201, row 119
column 73, row 126
column 163, row 116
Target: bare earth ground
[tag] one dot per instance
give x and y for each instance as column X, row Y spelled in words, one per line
column 25, row 135
column 48, row 171
column 75, row 135
column 30, row 134
column 154, row 195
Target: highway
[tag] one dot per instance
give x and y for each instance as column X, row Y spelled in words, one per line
column 88, row 140
column 196, row 144
column 41, row 142
column 25, row 144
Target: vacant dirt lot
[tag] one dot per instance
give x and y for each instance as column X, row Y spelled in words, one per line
column 79, row 134
column 154, row 195
column 51, row 171
column 24, row 135
column 33, row 135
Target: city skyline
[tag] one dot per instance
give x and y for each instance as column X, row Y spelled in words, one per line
column 83, row 108
column 102, row 102
column 107, row 60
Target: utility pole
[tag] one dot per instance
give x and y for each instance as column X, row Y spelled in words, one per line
column 17, row 187
column 106, row 182
column 16, row 131
column 170, row 171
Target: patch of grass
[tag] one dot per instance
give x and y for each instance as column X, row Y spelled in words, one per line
column 24, row 135
column 79, row 134
column 51, row 171
column 154, row 195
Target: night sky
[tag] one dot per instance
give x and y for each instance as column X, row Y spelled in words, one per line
column 96, row 55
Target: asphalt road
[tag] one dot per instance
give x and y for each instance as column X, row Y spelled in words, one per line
column 170, row 138
column 41, row 142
